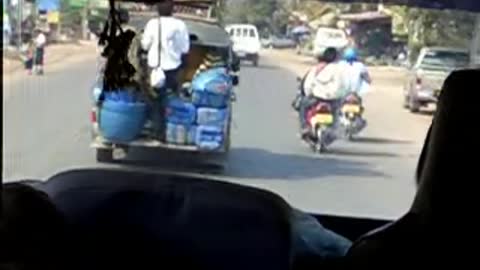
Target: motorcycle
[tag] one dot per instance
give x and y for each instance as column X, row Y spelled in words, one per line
column 351, row 117
column 321, row 121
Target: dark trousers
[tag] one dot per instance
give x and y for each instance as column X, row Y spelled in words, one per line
column 39, row 55
column 171, row 80
column 157, row 114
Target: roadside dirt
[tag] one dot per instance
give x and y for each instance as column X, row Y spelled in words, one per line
column 54, row 54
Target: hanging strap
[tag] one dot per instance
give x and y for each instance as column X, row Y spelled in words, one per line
column 112, row 23
column 159, row 41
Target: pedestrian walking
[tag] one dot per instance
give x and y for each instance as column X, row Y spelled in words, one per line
column 28, row 53
column 40, row 43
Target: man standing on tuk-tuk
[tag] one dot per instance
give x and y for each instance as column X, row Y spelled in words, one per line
column 167, row 41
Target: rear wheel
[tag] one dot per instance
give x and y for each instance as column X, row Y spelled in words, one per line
column 320, row 146
column 413, row 105
column 350, row 135
column 405, row 102
column 104, row 155
column 255, row 61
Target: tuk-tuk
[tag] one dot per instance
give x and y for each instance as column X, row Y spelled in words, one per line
column 206, row 35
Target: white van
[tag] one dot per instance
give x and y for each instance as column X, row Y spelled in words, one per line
column 329, row 37
column 246, row 41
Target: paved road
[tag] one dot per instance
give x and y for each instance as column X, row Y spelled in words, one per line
column 46, row 130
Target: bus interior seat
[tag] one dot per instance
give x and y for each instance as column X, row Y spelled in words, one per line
column 436, row 225
column 148, row 219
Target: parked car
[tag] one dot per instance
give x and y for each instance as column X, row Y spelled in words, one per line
column 279, row 42
column 426, row 77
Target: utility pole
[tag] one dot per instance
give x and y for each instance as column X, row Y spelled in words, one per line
column 85, row 12
column 19, row 22
column 475, row 45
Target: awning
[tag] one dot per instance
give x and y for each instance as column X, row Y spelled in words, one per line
column 467, row 5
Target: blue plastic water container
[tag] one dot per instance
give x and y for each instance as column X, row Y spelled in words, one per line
column 212, row 88
column 121, row 121
column 208, row 99
column 215, row 80
column 180, row 134
column 178, row 111
column 211, row 116
column 209, row 137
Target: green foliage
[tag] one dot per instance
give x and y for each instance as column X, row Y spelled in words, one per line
column 259, row 13
column 423, row 27
column 438, row 28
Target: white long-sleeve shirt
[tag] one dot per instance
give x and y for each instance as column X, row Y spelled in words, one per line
column 175, row 42
column 325, row 84
column 40, row 40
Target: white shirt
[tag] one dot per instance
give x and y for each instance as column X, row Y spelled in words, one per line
column 353, row 75
column 40, row 40
column 175, row 42
column 326, row 84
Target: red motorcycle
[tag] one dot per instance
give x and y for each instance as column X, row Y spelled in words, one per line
column 321, row 119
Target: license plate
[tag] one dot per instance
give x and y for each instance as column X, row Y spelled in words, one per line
column 241, row 54
column 322, row 119
column 351, row 109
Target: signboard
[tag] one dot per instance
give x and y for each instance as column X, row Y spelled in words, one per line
column 48, row 5
column 77, row 3
column 99, row 4
column 53, row 17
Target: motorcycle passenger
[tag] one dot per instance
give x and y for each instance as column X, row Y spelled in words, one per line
column 323, row 83
column 356, row 76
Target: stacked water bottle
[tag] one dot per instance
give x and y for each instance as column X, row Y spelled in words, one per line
column 201, row 121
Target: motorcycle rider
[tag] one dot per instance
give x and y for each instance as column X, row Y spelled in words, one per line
column 323, row 83
column 356, row 79
column 355, row 73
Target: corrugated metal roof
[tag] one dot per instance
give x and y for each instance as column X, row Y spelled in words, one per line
column 468, row 5
column 364, row 16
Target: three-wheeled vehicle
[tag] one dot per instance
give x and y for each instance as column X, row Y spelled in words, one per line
column 206, row 36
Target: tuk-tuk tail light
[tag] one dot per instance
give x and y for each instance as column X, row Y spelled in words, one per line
column 93, row 116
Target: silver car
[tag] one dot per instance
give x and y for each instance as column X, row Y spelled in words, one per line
column 425, row 78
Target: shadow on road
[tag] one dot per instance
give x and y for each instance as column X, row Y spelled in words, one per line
column 260, row 66
column 250, row 163
column 262, row 164
column 360, row 153
column 171, row 161
column 374, row 140
column 426, row 112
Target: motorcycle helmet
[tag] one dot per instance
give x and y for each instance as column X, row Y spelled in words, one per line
column 350, row 55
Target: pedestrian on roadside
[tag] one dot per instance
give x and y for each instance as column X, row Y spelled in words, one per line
column 28, row 53
column 40, row 43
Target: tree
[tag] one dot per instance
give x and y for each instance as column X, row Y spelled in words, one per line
column 260, row 13
column 439, row 28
